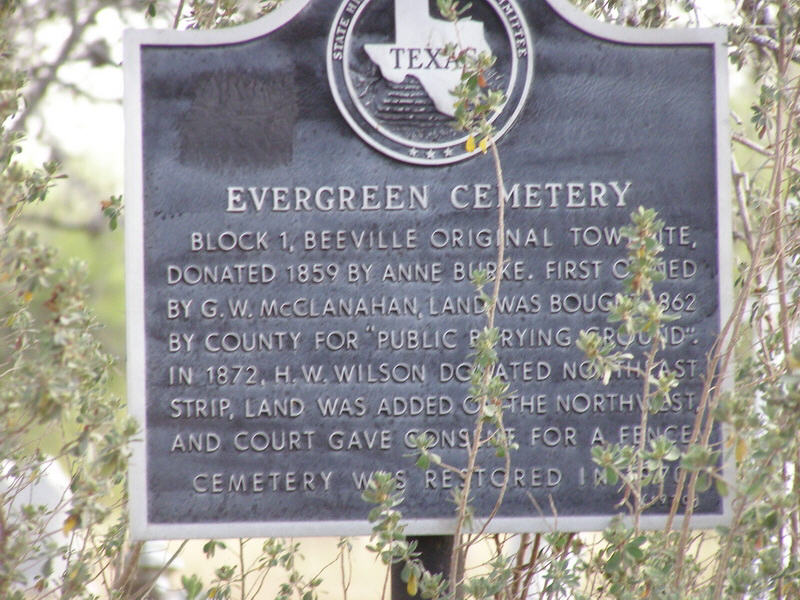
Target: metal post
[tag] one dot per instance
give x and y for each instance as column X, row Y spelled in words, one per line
column 435, row 552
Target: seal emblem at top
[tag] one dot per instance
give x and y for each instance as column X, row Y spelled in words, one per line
column 392, row 77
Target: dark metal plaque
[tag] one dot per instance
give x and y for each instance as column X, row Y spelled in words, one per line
column 302, row 225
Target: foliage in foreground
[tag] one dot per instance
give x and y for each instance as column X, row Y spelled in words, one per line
column 54, row 401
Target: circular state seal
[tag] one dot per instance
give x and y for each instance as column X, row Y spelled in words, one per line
column 392, row 76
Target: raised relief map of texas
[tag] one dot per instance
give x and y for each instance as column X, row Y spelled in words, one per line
column 418, row 50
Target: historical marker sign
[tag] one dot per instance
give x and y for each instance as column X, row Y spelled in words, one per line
column 302, row 223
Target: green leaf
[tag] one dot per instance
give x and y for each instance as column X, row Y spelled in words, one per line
column 770, row 520
column 210, row 547
column 611, row 476
column 192, row 585
column 424, row 461
column 613, row 563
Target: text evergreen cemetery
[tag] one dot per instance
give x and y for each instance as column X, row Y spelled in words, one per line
column 393, row 197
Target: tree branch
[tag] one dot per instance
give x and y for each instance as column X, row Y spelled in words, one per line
column 129, row 568
column 748, row 143
column 767, row 42
column 4, row 581
column 178, row 12
column 145, row 589
column 40, row 87
column 78, row 91
column 92, row 227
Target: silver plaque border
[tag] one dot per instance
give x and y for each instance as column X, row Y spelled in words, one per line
column 134, row 40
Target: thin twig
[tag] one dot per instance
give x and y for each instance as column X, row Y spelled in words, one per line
column 145, row 589
column 176, row 21
column 458, row 557
column 242, row 573
column 530, row 567
column 748, row 143
column 346, row 579
column 767, row 42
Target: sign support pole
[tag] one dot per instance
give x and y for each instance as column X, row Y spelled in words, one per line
column 435, row 552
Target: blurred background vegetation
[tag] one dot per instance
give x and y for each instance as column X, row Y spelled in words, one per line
column 62, row 332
